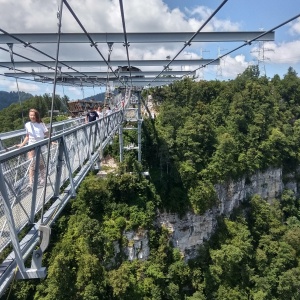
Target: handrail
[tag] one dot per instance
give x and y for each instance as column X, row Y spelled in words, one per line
column 74, row 152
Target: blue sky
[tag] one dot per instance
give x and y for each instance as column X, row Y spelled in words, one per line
column 157, row 15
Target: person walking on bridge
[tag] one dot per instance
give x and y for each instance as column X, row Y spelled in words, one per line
column 36, row 131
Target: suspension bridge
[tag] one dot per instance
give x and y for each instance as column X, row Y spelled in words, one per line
column 76, row 147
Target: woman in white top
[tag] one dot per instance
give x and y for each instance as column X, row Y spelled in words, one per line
column 36, row 131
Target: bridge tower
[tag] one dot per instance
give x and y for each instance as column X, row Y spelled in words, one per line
column 133, row 121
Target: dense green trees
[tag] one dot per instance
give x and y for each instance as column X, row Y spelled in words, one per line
column 209, row 132
column 205, row 133
column 14, row 116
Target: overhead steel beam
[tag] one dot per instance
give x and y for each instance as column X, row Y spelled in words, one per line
column 133, row 79
column 97, row 63
column 135, row 37
column 127, row 79
column 143, row 83
column 100, row 74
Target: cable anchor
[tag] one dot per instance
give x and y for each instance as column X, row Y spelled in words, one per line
column 94, row 45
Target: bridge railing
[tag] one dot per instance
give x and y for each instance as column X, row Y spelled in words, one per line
column 70, row 151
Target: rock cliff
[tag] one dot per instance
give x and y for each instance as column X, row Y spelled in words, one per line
column 188, row 232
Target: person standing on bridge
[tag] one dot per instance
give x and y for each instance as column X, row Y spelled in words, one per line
column 99, row 112
column 108, row 111
column 36, row 131
column 91, row 116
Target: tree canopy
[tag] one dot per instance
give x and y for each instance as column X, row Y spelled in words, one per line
column 205, row 133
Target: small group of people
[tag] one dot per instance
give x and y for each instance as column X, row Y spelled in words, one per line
column 97, row 113
column 36, row 131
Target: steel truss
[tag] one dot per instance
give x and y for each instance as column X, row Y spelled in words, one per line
column 91, row 78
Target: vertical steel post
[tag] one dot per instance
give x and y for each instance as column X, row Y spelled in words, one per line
column 121, row 143
column 37, row 161
column 59, row 166
column 67, row 158
column 139, row 127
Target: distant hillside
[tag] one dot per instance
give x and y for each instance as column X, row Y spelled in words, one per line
column 7, row 98
column 99, row 97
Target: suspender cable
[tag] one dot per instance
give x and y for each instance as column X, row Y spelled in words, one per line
column 126, row 44
column 81, row 88
column 94, row 90
column 107, row 92
column 188, row 43
column 93, row 44
column 59, row 15
column 10, row 46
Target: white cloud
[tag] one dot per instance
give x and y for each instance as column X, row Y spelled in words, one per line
column 27, row 15
column 11, row 86
column 230, row 66
column 104, row 16
column 95, row 16
column 75, row 91
column 215, row 23
column 140, row 16
column 283, row 53
column 295, row 27
column 4, row 84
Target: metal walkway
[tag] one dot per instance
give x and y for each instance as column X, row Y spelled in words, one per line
column 76, row 148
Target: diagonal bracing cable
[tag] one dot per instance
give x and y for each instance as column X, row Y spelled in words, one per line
column 126, row 44
column 188, row 43
column 10, row 46
column 59, row 16
column 245, row 44
column 93, row 44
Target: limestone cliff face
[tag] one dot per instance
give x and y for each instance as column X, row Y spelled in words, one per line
column 189, row 232
column 137, row 247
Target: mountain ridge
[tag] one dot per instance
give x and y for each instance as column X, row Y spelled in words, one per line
column 8, row 98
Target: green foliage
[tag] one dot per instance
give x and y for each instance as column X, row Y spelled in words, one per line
column 202, row 196
column 205, row 133
column 214, row 131
column 14, row 116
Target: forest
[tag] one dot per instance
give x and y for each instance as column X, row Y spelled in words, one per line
column 15, row 115
column 204, row 133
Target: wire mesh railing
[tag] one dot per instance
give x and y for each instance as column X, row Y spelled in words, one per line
column 8, row 140
column 24, row 173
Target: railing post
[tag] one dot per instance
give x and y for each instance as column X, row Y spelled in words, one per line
column 139, row 128
column 11, row 224
column 121, row 143
column 35, row 160
column 86, row 127
column 59, row 166
column 65, row 149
